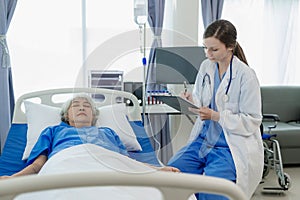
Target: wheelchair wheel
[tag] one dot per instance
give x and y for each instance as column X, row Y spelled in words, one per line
column 266, row 169
column 287, row 181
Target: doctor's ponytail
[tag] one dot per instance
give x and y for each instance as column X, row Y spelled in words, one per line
column 238, row 51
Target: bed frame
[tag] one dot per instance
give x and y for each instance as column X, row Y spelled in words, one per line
column 172, row 185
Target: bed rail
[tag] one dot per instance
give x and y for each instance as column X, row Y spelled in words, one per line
column 172, row 185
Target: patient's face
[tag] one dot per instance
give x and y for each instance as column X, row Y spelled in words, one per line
column 80, row 113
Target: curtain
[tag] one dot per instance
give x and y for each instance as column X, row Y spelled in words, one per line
column 281, row 41
column 157, row 125
column 211, row 11
column 269, row 32
column 7, row 100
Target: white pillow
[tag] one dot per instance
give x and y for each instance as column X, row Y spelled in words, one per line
column 39, row 117
column 114, row 117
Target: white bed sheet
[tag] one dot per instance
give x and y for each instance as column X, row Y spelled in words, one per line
column 89, row 158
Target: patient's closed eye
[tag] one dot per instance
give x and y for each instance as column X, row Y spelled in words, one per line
column 87, row 105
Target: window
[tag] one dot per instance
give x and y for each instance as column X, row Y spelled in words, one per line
column 46, row 42
column 44, row 39
column 113, row 39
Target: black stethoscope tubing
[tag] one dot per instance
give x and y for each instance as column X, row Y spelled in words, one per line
column 226, row 97
column 230, row 76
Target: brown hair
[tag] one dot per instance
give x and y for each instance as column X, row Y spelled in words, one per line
column 225, row 31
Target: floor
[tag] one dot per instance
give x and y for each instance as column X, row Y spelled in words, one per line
column 272, row 180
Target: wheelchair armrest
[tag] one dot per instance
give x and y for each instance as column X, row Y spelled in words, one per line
column 273, row 117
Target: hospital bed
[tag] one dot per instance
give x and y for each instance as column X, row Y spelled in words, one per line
column 169, row 185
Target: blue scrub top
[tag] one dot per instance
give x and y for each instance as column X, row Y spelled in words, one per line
column 56, row 138
column 212, row 133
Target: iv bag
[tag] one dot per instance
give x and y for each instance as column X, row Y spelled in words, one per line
column 140, row 11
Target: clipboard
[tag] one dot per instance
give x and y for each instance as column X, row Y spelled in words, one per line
column 178, row 103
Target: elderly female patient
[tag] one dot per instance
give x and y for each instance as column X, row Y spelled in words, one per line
column 78, row 116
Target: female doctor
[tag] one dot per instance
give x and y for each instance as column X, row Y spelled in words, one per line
column 225, row 141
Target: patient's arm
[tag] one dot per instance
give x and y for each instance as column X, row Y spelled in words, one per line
column 168, row 169
column 33, row 168
column 164, row 168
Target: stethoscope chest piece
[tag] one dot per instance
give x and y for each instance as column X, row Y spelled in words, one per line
column 226, row 98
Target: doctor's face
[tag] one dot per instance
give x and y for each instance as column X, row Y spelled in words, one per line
column 80, row 113
column 215, row 50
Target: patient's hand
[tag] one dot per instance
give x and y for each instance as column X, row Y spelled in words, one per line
column 4, row 177
column 164, row 168
column 169, row 169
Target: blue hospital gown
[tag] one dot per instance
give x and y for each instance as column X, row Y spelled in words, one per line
column 56, row 138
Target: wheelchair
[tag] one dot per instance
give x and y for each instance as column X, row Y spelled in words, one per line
column 272, row 155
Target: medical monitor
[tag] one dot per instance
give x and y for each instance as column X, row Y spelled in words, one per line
column 174, row 65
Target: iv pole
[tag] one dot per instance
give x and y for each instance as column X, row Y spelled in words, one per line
column 140, row 18
column 144, row 61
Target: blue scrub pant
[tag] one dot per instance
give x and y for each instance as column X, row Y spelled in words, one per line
column 199, row 158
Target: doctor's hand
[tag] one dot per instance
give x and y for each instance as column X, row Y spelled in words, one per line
column 186, row 95
column 206, row 113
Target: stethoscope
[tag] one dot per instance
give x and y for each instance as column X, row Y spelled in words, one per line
column 206, row 79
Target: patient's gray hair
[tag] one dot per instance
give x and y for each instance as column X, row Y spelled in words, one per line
column 67, row 104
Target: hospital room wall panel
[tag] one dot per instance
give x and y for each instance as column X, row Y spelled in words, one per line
column 180, row 131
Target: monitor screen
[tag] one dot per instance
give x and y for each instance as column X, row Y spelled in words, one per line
column 174, row 65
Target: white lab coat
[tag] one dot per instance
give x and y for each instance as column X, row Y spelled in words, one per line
column 240, row 118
